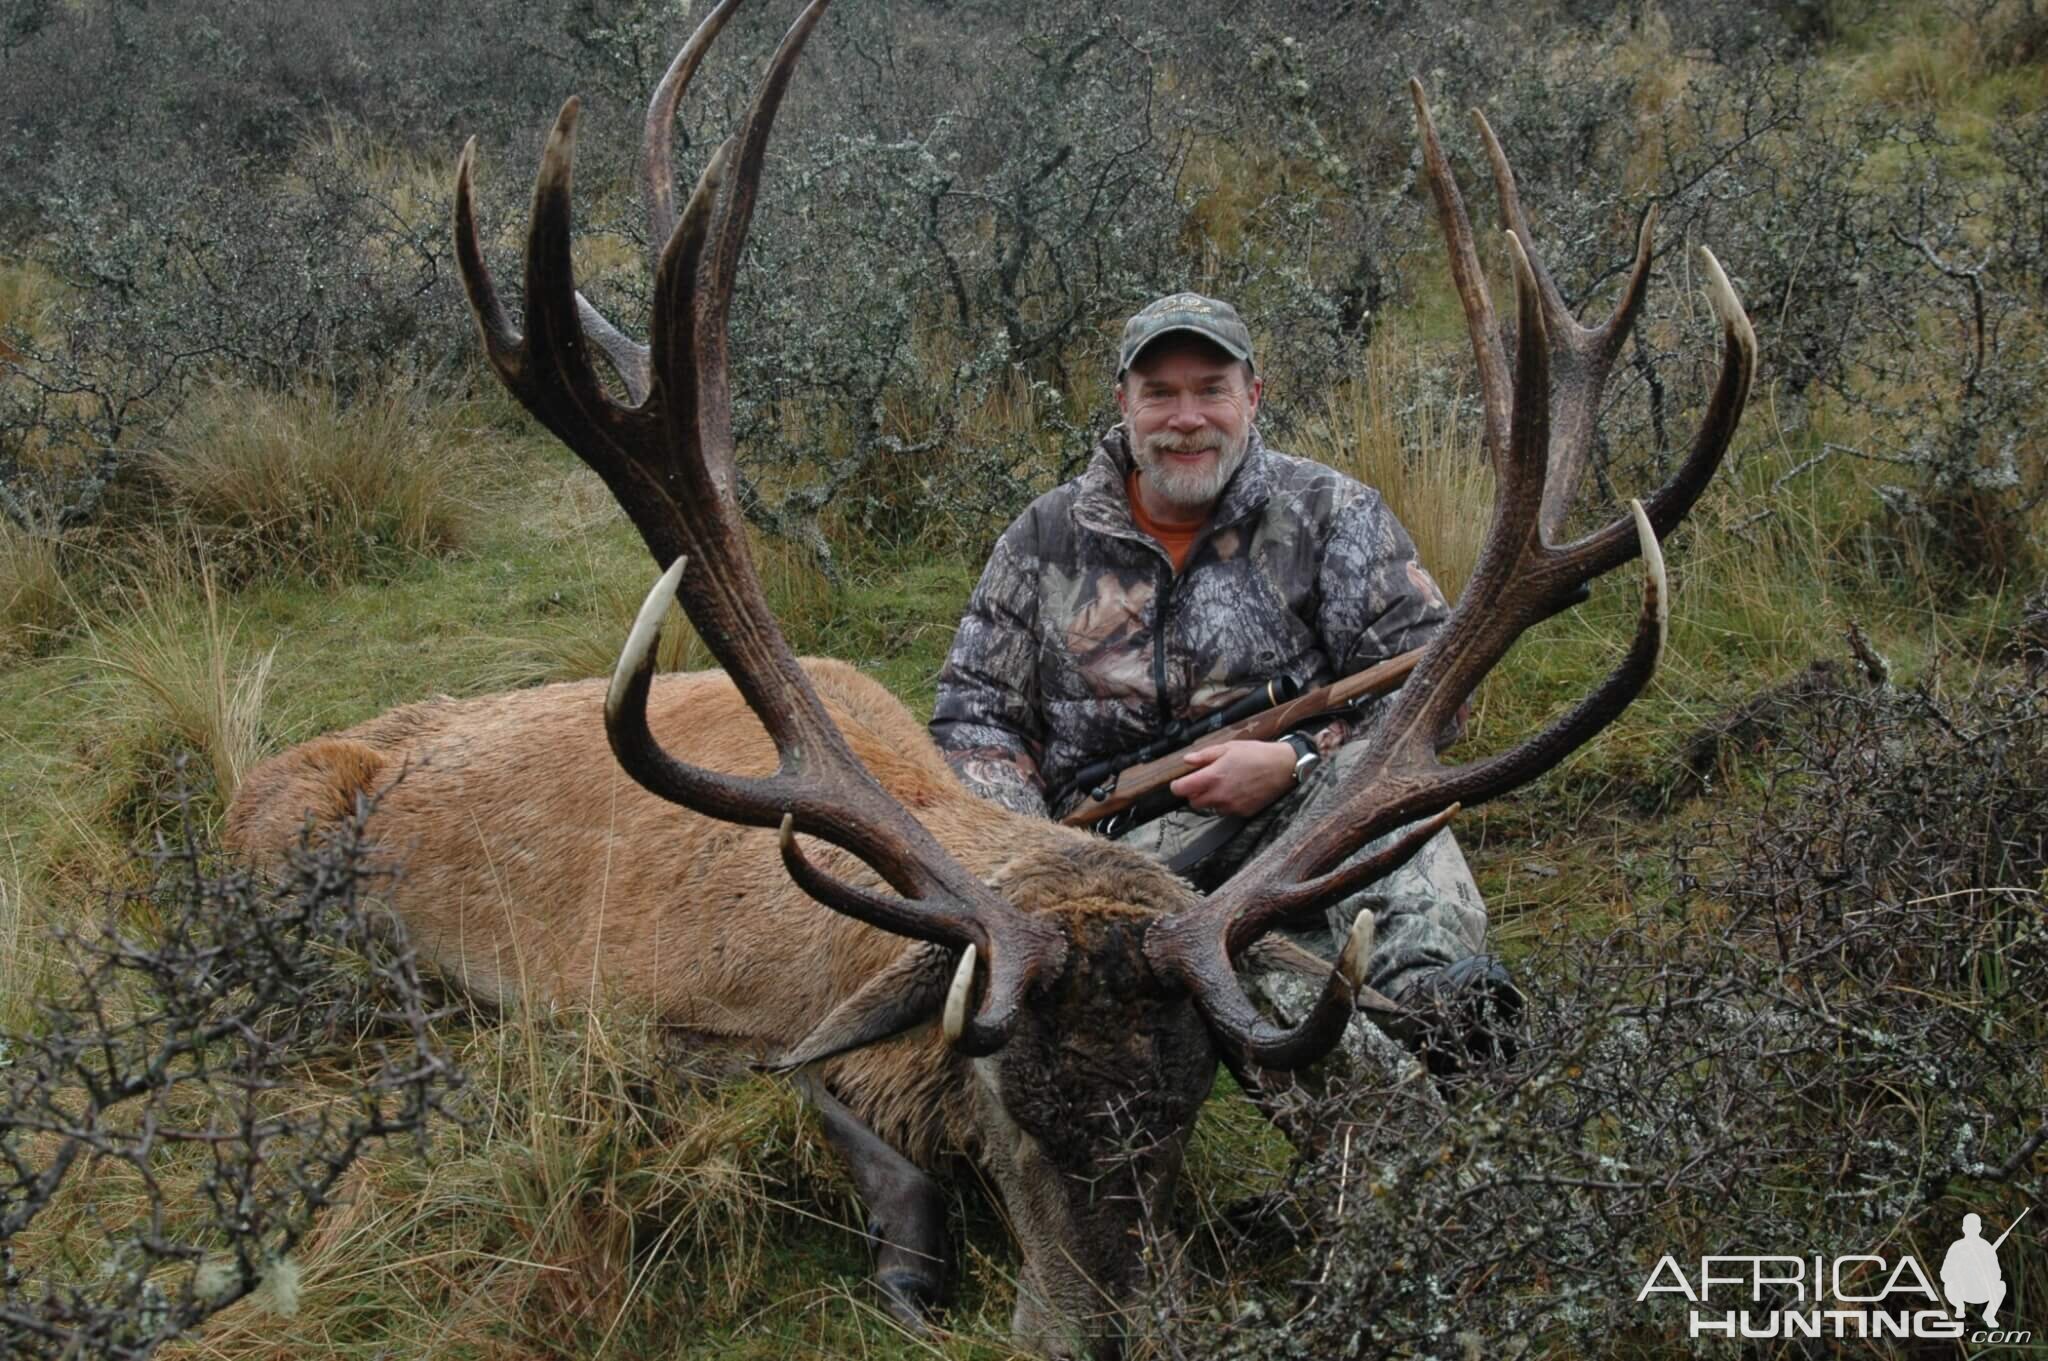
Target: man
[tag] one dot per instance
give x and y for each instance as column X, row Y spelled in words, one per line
column 1186, row 566
column 1970, row 1275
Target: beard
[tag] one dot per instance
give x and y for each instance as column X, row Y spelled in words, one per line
column 1193, row 488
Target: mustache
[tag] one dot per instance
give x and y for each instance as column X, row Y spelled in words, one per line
column 1189, row 444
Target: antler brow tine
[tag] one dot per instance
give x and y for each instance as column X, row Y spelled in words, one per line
column 668, row 460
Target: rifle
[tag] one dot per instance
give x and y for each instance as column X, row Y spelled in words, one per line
column 1124, row 792
column 1133, row 789
column 1100, row 777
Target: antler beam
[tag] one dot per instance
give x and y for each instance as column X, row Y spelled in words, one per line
column 669, row 460
column 1539, row 433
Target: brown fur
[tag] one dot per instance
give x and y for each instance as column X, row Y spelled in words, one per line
column 534, row 867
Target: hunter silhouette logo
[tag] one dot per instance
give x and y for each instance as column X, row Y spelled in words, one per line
column 1969, row 1274
column 1860, row 1295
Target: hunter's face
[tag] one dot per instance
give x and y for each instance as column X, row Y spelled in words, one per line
column 1189, row 409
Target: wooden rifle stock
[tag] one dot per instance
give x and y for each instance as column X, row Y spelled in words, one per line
column 1139, row 783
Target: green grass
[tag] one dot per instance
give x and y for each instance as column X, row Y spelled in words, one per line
column 353, row 557
column 600, row 1208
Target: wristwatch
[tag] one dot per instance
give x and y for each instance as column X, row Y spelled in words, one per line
column 1306, row 757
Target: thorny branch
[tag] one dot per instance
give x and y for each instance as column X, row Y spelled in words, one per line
column 163, row 1059
column 1823, row 1036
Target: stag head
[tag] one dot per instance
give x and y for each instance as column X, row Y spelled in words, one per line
column 1086, row 993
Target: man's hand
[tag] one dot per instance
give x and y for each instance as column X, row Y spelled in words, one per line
column 1237, row 778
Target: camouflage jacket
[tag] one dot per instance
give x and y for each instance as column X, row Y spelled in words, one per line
column 1081, row 642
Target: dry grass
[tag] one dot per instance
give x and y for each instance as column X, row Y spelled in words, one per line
column 35, row 604
column 27, row 298
column 410, row 187
column 22, row 928
column 305, row 482
column 182, row 672
column 1388, row 429
column 1935, row 56
column 597, row 1206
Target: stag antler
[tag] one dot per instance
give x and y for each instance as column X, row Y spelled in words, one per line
column 668, row 459
column 1539, row 448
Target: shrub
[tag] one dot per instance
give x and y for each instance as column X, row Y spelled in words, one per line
column 150, row 1171
column 1824, row 1040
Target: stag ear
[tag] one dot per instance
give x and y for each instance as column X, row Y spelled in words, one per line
column 900, row 997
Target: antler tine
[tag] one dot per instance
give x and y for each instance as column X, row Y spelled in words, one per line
column 1521, row 578
column 628, row 357
column 1612, row 545
column 501, row 338
column 1488, row 617
column 1607, row 337
column 1582, row 357
column 1468, row 277
column 1584, row 354
column 657, row 164
column 669, row 462
column 1246, row 1034
column 723, row 265
column 554, row 325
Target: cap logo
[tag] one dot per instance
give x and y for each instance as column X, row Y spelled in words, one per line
column 1209, row 318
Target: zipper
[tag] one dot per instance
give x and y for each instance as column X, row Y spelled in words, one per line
column 1159, row 645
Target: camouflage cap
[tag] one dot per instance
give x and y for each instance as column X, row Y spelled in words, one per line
column 1214, row 321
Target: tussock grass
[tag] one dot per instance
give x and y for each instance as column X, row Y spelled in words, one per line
column 35, row 603
column 305, row 482
column 602, row 1200
column 1391, row 431
column 28, row 298
column 23, row 921
column 184, row 678
column 1937, row 56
